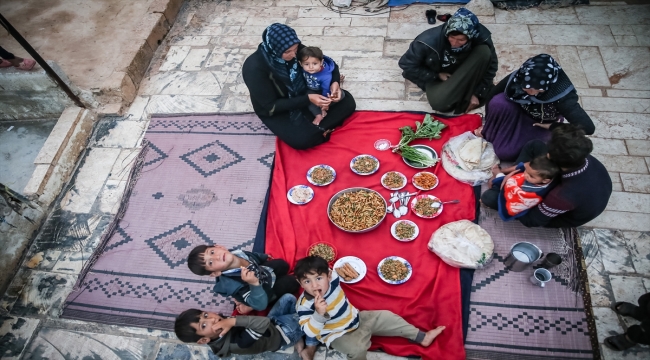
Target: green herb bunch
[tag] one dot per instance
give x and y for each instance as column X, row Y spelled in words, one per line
column 428, row 129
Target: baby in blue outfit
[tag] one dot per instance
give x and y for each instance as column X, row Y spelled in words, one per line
column 318, row 75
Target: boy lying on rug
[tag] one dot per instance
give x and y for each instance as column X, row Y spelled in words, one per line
column 326, row 315
column 242, row 334
column 251, row 278
column 518, row 191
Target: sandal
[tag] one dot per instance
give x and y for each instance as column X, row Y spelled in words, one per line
column 625, row 309
column 431, row 16
column 5, row 63
column 26, row 64
column 618, row 342
column 444, row 17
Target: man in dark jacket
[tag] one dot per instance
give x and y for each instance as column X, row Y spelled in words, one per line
column 454, row 63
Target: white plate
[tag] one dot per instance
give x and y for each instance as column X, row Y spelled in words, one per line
column 291, row 200
column 435, row 199
column 398, row 173
column 393, row 230
column 403, row 261
column 424, row 172
column 354, row 159
column 311, row 181
column 426, row 150
column 356, row 263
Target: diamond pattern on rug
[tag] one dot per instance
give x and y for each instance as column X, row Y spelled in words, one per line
column 171, row 245
column 201, row 183
column 211, row 158
column 267, row 159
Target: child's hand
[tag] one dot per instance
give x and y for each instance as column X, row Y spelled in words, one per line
column 224, row 325
column 249, row 277
column 320, row 304
column 242, row 308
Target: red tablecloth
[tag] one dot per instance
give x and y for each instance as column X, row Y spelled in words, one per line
column 432, row 295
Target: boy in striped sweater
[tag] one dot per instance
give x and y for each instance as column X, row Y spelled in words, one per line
column 327, row 316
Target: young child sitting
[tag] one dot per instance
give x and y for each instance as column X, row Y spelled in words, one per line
column 327, row 315
column 251, row 278
column 524, row 187
column 318, row 75
column 243, row 334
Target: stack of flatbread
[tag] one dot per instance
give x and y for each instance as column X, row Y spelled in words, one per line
column 462, row 244
column 469, row 159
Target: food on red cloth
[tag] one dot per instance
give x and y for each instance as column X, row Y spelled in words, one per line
column 393, row 180
column 358, row 210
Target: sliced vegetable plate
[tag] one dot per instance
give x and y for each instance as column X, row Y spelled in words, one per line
column 427, row 151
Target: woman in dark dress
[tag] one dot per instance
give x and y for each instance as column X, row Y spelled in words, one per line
column 279, row 92
column 528, row 104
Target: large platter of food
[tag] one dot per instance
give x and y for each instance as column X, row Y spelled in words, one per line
column 364, row 164
column 356, row 210
column 321, row 175
column 394, row 270
column 350, row 269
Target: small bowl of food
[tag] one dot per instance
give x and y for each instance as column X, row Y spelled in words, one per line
column 394, row 270
column 364, row 164
column 300, row 194
column 321, row 175
column 356, row 210
column 325, row 250
column 393, row 180
column 426, row 206
column 404, row 230
column 425, row 180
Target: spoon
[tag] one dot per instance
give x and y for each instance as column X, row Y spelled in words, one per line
column 439, row 204
column 390, row 208
column 397, row 213
column 403, row 209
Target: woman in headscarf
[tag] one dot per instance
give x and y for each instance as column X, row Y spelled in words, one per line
column 279, row 93
column 528, row 104
column 455, row 63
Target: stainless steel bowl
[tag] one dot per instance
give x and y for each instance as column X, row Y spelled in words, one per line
column 426, row 150
column 340, row 193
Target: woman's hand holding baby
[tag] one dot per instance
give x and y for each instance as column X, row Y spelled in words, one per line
column 319, row 100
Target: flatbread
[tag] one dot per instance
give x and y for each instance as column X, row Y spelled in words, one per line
column 462, row 244
column 470, row 152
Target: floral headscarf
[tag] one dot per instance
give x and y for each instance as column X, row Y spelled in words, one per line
column 466, row 23
column 277, row 38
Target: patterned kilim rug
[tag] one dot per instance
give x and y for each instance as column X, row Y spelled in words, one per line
column 199, row 180
column 510, row 318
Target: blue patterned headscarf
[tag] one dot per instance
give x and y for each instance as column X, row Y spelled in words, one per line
column 277, row 38
column 466, row 23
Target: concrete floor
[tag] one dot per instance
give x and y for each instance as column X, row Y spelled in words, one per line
column 18, row 149
column 603, row 48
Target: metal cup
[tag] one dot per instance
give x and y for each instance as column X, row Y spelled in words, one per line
column 541, row 277
column 551, row 260
column 522, row 255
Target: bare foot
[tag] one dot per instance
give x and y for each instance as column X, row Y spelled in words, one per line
column 317, row 119
column 308, row 352
column 300, row 346
column 431, row 335
column 478, row 131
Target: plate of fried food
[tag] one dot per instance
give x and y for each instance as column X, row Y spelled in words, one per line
column 356, row 210
column 351, row 269
column 321, row 175
column 393, row 180
column 425, row 180
column 426, row 206
column 394, row 270
column 404, row 230
column 364, row 164
column 300, row 194
column 324, row 250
